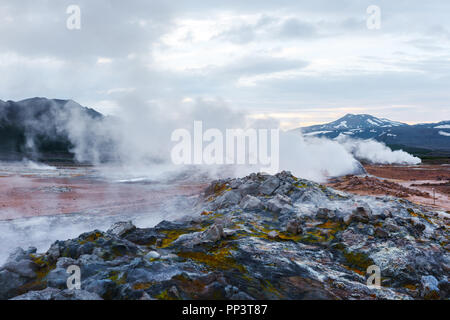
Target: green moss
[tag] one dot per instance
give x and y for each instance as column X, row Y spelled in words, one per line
column 118, row 277
column 164, row 295
column 172, row 235
column 142, row 286
column 91, row 238
column 218, row 258
column 300, row 185
column 270, row 288
column 358, row 260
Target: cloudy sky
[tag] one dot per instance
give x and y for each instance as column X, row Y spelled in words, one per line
column 301, row 62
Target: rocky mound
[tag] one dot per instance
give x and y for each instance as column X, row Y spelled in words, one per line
column 259, row 237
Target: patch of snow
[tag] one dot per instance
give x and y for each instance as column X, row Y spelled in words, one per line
column 445, row 134
column 373, row 122
column 314, row 133
column 392, row 123
column 343, row 124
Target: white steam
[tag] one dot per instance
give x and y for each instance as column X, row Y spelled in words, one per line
column 376, row 152
column 315, row 159
column 139, row 140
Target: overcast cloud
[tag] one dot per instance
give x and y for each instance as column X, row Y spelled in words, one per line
column 300, row 62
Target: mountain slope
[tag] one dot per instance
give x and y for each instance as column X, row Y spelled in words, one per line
column 429, row 136
column 37, row 127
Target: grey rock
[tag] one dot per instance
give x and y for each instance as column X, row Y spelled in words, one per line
column 64, row 262
column 236, row 183
column 57, row 278
column 241, row 296
column 105, row 288
column 152, row 255
column 46, row 294
column 430, row 287
column 379, row 232
column 213, row 233
column 25, row 268
column 16, row 255
column 10, row 282
column 390, row 225
column 360, row 214
column 269, row 186
column 121, row 228
column 173, row 292
column 249, row 188
column 76, row 295
column 278, row 203
column 229, row 198
column 272, row 234
column 54, row 252
column 294, row 227
column 251, row 203
column 325, row 214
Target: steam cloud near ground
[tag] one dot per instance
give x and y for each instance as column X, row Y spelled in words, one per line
column 140, row 137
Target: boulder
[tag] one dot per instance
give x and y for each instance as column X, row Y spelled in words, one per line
column 360, row 214
column 294, row 227
column 325, row 214
column 25, row 268
column 272, row 234
column 269, row 186
column 380, row 233
column 251, row 203
column 229, row 198
column 213, row 233
column 10, row 282
column 121, row 228
column 46, row 294
column 76, row 295
column 57, row 278
column 152, row 255
column 278, row 203
column 430, row 289
column 249, row 188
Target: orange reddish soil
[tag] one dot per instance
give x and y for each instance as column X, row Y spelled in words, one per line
column 423, row 184
column 410, row 173
column 374, row 186
column 26, row 196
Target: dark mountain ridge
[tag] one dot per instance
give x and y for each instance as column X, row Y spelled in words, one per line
column 420, row 139
column 37, row 128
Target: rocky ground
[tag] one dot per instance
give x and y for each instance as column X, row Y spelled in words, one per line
column 373, row 186
column 258, row 237
column 424, row 184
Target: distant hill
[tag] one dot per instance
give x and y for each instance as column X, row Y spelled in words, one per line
column 428, row 139
column 37, row 128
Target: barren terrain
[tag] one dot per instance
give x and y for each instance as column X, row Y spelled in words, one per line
column 31, row 195
column 423, row 184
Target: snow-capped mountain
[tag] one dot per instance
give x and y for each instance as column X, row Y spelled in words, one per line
column 432, row 136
